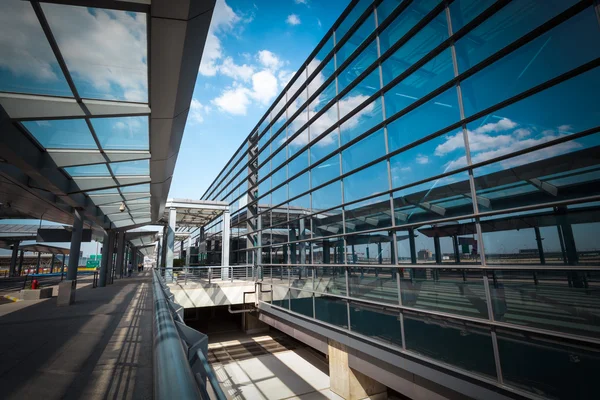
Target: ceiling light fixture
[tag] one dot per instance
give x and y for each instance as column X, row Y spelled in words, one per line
column 122, row 208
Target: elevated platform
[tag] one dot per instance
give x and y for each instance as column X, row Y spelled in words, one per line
column 98, row 348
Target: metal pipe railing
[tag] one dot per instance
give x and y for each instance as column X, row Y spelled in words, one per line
column 173, row 378
column 176, row 372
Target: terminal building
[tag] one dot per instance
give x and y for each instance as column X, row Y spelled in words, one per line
column 420, row 206
column 426, row 189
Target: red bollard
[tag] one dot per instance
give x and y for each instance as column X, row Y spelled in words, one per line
column 34, row 284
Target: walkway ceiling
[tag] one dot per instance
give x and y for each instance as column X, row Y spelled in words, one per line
column 94, row 97
column 44, row 248
column 193, row 213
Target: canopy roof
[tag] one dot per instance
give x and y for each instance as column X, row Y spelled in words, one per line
column 94, row 96
column 44, row 248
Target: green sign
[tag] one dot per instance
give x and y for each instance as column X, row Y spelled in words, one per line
column 92, row 264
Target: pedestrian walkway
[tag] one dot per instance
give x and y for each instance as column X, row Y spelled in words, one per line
column 98, row 348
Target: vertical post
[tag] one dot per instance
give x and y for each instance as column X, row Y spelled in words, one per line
column 170, row 245
column 37, row 266
column 107, row 242
column 75, row 246
column 438, row 249
column 379, row 253
column 225, row 243
column 538, row 239
column 413, row 247
column 120, row 252
column 62, row 267
column 13, row 258
column 456, row 251
column 20, row 269
column 52, row 262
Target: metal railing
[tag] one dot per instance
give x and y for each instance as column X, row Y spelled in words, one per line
column 181, row 367
column 209, row 274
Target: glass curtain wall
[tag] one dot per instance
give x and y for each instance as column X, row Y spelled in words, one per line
column 429, row 180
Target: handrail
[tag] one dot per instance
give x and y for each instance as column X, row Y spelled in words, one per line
column 173, row 378
column 177, row 348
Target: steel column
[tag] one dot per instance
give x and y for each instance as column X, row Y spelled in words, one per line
column 37, row 266
column 52, row 262
column 120, row 252
column 106, row 253
column 13, row 258
column 20, row 269
column 170, row 244
column 75, row 246
column 225, row 243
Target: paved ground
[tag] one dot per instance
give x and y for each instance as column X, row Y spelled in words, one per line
column 268, row 367
column 98, row 348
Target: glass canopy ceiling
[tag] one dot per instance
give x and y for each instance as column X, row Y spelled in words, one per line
column 89, row 66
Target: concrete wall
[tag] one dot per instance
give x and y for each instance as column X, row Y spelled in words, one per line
column 214, row 294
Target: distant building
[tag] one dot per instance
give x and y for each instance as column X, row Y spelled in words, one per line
column 424, row 254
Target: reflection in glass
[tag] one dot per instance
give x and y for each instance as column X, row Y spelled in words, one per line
column 301, row 302
column 95, row 35
column 370, row 248
column 367, row 150
column 368, row 214
column 327, row 223
column 27, row 64
column 552, row 369
column 558, row 300
column 122, row 133
column 376, row 323
column 359, row 36
column 365, row 119
column 327, row 197
column 139, row 167
column 462, row 344
column 331, row 310
column 62, row 134
column 366, row 182
column 455, row 291
column 534, row 63
column 373, row 283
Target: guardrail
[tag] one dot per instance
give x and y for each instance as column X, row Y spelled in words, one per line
column 181, row 367
column 213, row 273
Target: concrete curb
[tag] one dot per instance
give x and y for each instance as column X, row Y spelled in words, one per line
column 12, row 298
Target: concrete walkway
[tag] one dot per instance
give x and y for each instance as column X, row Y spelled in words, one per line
column 98, row 348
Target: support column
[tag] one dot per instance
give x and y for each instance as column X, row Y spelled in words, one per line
column 413, row 247
column 225, row 244
column 120, row 253
column 106, row 253
column 170, row 245
column 538, row 239
column 437, row 249
column 52, row 262
column 75, row 246
column 37, row 266
column 326, row 252
column 20, row 269
column 163, row 259
column 456, row 251
column 346, row 381
column 62, row 267
column 13, row 258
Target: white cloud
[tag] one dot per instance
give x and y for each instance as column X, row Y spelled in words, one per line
column 293, row 19
column 269, row 60
column 197, row 111
column 301, row 1
column 234, row 100
column 223, row 20
column 238, row 72
column 319, row 23
column 264, row 86
column 421, row 159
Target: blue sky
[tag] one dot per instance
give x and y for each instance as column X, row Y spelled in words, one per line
column 252, row 50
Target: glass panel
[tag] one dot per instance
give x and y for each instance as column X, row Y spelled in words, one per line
column 462, row 344
column 464, row 11
column 62, row 134
column 27, row 64
column 324, row 147
column 555, row 300
column 369, row 214
column 382, row 325
column 299, row 185
column 122, row 133
column 298, row 164
column 321, row 124
column 322, row 99
column 355, row 40
column 329, row 196
column 279, row 158
column 369, row 181
column 315, row 84
column 278, row 177
column 279, row 195
column 347, row 23
column 323, row 52
column 365, row 119
column 97, row 37
column 418, row 123
column 359, row 94
column 328, row 223
column 144, row 188
column 406, row 21
column 516, row 19
column 331, row 310
column 331, row 279
column 447, row 290
column 370, row 248
column 560, row 172
column 367, row 150
column 302, row 302
column 357, row 66
column 280, row 294
column 88, row 170
column 534, row 63
column 373, row 283
column 140, row 167
column 548, row 368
